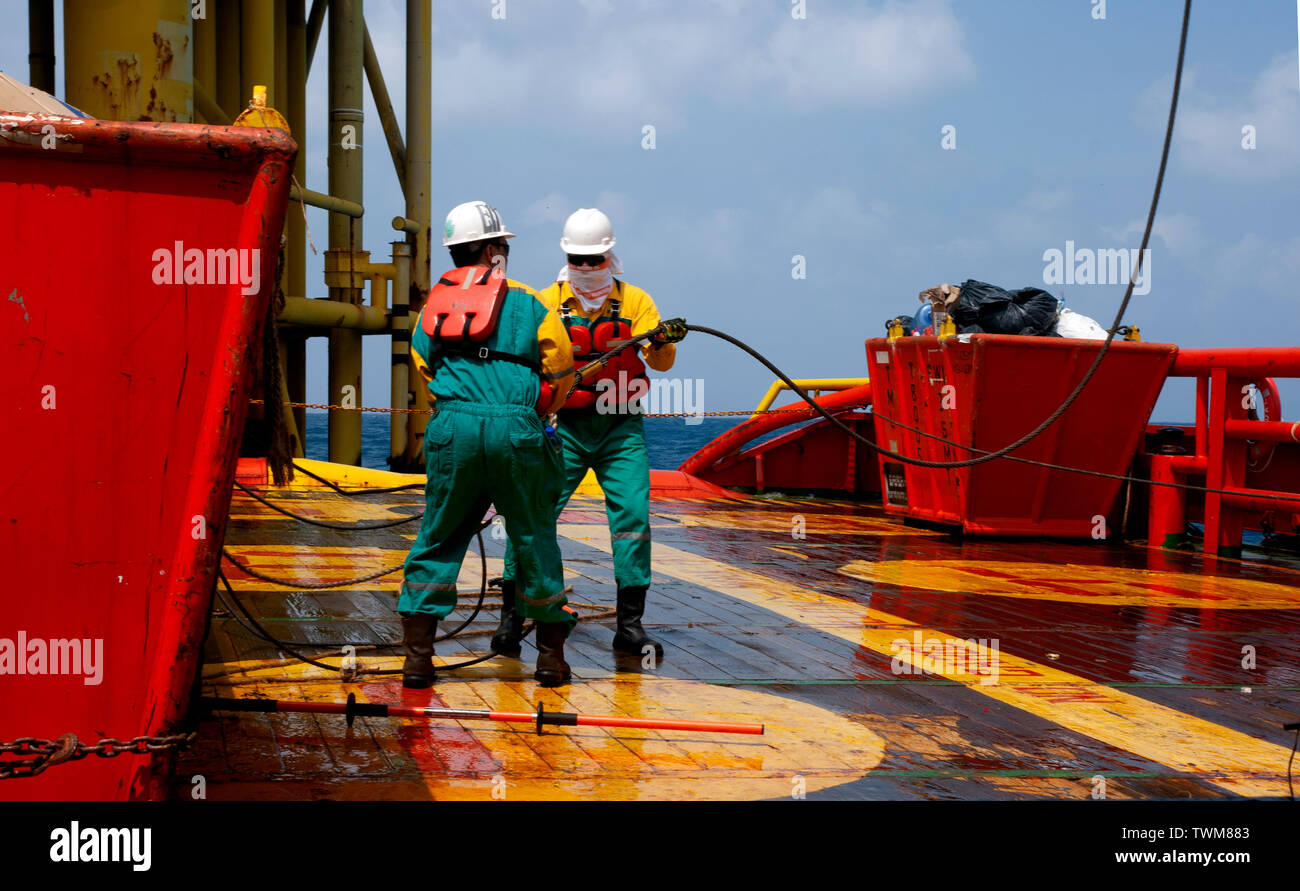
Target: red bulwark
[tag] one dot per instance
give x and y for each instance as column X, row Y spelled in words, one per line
column 128, row 356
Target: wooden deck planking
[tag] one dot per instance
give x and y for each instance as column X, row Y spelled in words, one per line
column 939, row 740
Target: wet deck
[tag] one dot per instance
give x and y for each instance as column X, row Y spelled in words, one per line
column 1086, row 666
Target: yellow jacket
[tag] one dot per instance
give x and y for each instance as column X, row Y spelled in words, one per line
column 637, row 305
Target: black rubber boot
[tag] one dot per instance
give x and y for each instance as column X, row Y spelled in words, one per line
column 511, row 631
column 631, row 637
column 552, row 670
column 418, row 632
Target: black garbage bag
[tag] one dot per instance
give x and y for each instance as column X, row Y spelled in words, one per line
column 988, row 309
column 906, row 321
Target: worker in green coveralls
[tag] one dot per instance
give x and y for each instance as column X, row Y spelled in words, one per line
column 486, row 444
column 601, row 424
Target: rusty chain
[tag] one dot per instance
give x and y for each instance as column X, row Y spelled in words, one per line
column 48, row 752
column 429, row 411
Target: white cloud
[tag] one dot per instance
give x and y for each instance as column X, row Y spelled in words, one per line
column 615, row 205
column 835, row 213
column 1039, row 220
column 1180, row 233
column 1223, row 269
column 641, row 64
column 873, row 58
column 1208, row 130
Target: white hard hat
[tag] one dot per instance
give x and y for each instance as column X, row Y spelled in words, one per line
column 587, row 231
column 473, row 221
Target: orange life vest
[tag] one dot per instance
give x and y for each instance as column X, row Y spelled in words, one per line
column 462, row 308
column 592, row 338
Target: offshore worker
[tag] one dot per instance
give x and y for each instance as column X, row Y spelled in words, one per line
column 601, row 425
column 494, row 357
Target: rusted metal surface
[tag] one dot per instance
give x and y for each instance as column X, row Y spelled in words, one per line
column 129, row 383
column 130, row 62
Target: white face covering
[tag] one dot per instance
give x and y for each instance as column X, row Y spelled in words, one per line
column 591, row 284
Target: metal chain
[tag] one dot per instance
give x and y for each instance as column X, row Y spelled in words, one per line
column 667, row 414
column 48, row 752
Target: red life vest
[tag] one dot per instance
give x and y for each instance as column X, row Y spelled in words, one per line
column 464, row 307
column 591, row 339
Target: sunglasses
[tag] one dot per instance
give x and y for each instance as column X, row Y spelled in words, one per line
column 586, row 259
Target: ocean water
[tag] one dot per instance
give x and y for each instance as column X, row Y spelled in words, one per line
column 669, row 441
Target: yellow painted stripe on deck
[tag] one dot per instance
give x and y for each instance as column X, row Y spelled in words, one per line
column 1080, row 583
column 1222, row 756
column 806, row 523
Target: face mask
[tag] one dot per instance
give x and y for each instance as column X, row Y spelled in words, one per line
column 591, row 284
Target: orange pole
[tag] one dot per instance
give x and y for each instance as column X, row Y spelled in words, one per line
column 351, row 709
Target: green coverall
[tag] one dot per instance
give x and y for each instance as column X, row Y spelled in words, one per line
column 486, row 445
column 612, row 444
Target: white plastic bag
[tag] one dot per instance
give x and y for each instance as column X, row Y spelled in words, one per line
column 1072, row 324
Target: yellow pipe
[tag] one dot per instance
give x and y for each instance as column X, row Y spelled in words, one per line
column 129, row 61
column 280, row 60
column 205, row 62
column 294, row 101
column 379, row 291
column 290, row 420
column 228, row 93
column 205, row 105
column 386, row 270
column 813, row 384
column 318, row 313
column 257, row 50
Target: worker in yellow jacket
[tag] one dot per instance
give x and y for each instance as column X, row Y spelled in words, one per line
column 601, row 425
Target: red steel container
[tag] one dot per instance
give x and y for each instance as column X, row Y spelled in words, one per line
column 988, row 390
column 136, row 265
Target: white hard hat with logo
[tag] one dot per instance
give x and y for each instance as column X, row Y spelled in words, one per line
column 473, row 221
column 587, row 231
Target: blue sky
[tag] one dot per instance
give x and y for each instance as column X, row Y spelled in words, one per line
column 821, row 137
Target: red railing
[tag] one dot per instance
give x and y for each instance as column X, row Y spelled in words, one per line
column 1222, row 433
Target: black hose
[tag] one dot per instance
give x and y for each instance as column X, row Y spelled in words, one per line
column 1061, row 409
column 310, row 586
column 289, row 646
column 356, row 527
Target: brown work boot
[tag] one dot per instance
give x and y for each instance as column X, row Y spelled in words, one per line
column 552, row 670
column 418, row 632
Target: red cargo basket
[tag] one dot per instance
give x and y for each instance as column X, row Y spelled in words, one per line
column 127, row 336
column 988, row 390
